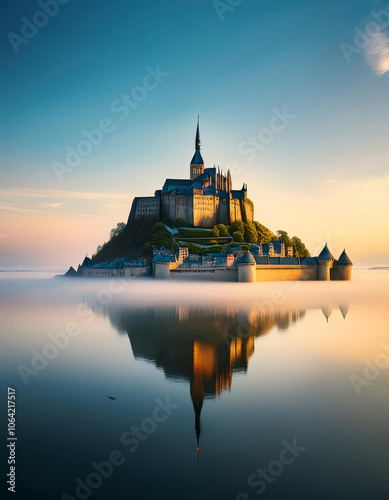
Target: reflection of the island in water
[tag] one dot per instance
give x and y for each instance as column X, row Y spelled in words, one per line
column 203, row 346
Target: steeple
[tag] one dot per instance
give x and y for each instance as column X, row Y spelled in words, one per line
column 197, row 163
column 197, row 143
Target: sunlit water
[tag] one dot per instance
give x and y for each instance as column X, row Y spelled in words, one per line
column 247, row 371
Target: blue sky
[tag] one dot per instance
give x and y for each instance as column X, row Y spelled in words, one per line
column 261, row 56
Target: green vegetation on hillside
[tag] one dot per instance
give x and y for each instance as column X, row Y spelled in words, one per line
column 236, row 226
column 237, row 236
column 196, row 233
column 160, row 237
column 117, row 230
column 195, row 249
column 265, row 236
column 141, row 236
column 128, row 243
column 283, row 236
column 223, row 230
column 250, row 233
column 229, row 248
column 299, row 248
column 180, row 223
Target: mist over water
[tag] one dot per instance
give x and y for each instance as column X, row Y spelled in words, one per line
column 246, row 368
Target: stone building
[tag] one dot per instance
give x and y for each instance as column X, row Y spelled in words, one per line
column 276, row 249
column 203, row 200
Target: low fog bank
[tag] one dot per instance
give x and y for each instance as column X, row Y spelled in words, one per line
column 366, row 286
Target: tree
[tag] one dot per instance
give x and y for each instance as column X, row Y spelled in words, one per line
column 223, row 230
column 213, row 249
column 236, row 226
column 299, row 248
column 148, row 248
column 162, row 238
column 180, row 223
column 250, row 233
column 117, row 230
column 283, row 236
column 159, row 227
column 194, row 248
column 215, row 232
column 265, row 236
column 237, row 236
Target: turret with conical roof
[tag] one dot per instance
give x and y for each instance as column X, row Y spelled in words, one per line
column 197, row 163
column 326, row 262
column 325, row 254
column 344, row 259
column 247, row 268
column 344, row 266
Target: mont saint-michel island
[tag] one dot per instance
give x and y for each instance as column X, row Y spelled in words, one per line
column 200, row 228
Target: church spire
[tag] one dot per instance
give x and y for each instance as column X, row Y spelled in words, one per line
column 197, row 163
column 197, row 143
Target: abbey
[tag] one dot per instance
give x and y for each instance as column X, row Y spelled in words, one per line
column 203, row 200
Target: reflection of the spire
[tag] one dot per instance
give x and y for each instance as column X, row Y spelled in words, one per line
column 203, row 346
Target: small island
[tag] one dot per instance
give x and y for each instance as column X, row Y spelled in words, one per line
column 200, row 228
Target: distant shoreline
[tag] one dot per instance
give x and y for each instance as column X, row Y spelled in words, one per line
column 28, row 271
column 381, row 268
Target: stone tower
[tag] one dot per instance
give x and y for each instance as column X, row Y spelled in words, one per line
column 326, row 262
column 247, row 268
column 197, row 163
column 344, row 266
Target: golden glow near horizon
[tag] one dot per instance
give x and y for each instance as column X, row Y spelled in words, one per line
column 60, row 227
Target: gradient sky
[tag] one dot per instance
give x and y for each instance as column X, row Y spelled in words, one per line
column 324, row 177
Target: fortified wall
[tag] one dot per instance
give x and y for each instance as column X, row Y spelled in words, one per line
column 251, row 269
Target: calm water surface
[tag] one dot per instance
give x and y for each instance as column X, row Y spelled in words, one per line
column 216, row 391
